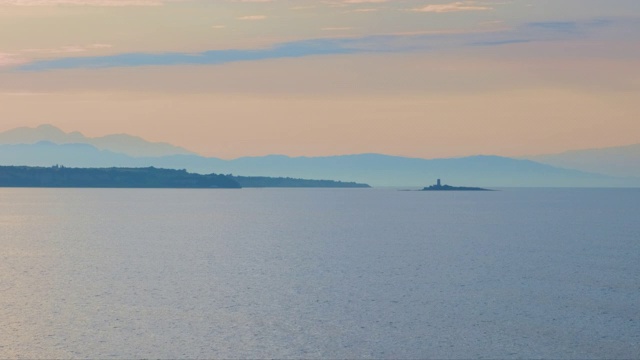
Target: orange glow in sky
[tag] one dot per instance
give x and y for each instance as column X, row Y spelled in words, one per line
column 407, row 77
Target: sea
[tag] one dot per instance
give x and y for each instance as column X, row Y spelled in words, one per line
column 319, row 274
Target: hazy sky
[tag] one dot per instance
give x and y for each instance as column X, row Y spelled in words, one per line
column 424, row 78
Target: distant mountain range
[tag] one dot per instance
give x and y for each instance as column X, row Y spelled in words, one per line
column 616, row 161
column 373, row 169
column 119, row 143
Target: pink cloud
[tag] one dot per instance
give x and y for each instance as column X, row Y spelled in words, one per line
column 453, row 7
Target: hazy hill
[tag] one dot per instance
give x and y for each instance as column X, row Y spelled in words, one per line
column 373, row 169
column 384, row 170
column 616, row 161
column 120, row 143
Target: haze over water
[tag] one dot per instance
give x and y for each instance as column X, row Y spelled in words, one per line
column 519, row 273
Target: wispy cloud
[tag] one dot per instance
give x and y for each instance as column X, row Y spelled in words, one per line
column 284, row 50
column 85, row 2
column 252, row 17
column 66, row 49
column 24, row 56
column 452, row 7
column 392, row 43
column 9, row 59
column 365, row 1
column 336, row 28
column 346, row 3
column 303, row 7
column 564, row 26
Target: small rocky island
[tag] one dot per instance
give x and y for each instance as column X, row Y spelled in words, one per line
column 439, row 187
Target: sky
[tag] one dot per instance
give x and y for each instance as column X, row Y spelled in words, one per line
column 419, row 78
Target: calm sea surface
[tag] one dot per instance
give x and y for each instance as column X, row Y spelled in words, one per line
column 286, row 273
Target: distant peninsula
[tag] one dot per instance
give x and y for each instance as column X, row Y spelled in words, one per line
column 439, row 187
column 287, row 182
column 147, row 177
